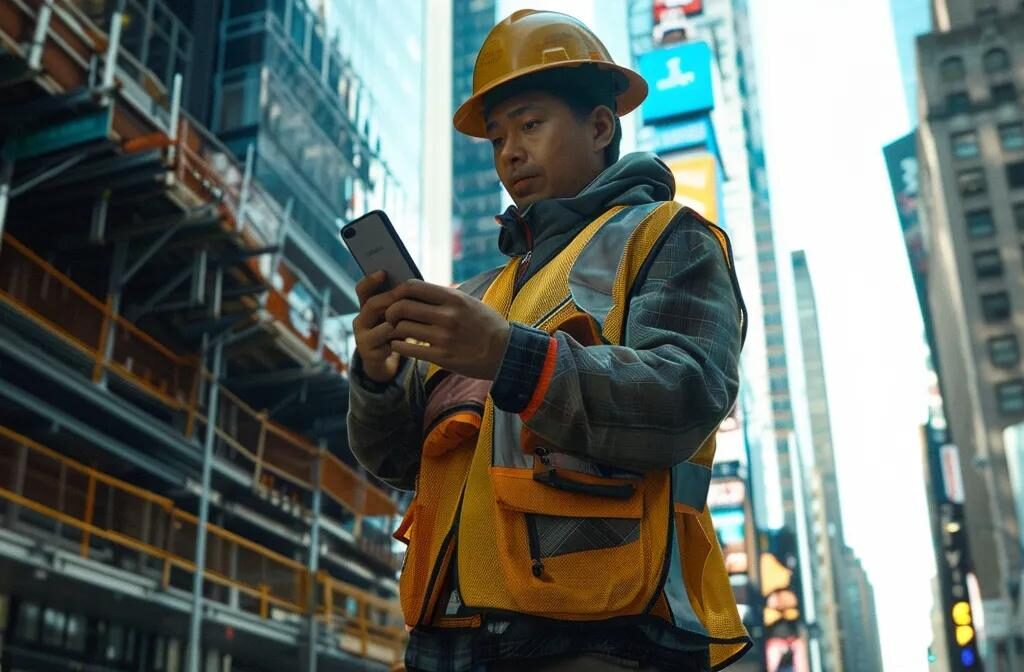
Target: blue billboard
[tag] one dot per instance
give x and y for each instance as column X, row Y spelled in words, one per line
column 679, row 79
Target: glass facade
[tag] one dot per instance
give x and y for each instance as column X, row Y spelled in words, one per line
column 287, row 85
column 476, row 191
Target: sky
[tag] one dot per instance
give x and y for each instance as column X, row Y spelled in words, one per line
column 829, row 105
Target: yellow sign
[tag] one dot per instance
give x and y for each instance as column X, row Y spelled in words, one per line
column 695, row 183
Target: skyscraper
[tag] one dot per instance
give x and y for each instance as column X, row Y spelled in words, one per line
column 476, row 191
column 971, row 151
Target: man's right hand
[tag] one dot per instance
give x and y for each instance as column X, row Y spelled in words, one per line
column 373, row 332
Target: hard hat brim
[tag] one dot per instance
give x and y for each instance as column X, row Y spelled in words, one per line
column 469, row 118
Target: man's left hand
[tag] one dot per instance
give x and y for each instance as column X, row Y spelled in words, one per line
column 463, row 334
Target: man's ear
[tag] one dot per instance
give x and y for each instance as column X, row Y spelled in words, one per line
column 602, row 121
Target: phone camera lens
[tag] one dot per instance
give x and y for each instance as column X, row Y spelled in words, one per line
column 350, row 233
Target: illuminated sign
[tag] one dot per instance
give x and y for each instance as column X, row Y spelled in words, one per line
column 786, row 654
column 680, row 81
column 726, row 493
column 696, row 185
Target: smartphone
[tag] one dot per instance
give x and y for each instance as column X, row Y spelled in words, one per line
column 375, row 245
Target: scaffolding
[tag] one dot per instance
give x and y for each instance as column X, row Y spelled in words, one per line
column 151, row 315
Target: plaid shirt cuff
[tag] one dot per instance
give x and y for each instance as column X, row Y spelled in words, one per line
column 522, row 370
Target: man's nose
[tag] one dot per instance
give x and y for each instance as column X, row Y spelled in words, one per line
column 512, row 151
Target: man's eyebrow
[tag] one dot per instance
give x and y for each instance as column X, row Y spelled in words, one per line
column 517, row 112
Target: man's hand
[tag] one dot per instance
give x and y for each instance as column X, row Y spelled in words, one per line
column 454, row 330
column 373, row 334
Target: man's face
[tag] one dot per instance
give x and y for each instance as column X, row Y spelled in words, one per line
column 542, row 150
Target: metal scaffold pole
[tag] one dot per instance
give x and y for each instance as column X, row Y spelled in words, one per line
column 6, row 171
column 196, row 622
column 314, row 561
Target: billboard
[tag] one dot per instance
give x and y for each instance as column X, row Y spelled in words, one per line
column 696, row 182
column 786, row 654
column 679, row 78
column 674, row 136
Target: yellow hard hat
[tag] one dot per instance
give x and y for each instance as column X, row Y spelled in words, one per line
column 530, row 41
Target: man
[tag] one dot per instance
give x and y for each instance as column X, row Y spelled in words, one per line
column 556, row 417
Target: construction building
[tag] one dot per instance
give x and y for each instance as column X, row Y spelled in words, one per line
column 173, row 356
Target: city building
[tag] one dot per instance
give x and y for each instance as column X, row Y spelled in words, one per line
column 862, row 650
column 177, row 492
column 826, row 520
column 476, row 190
column 971, row 153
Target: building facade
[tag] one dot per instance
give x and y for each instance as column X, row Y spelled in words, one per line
column 476, row 190
column 971, row 151
column 176, row 491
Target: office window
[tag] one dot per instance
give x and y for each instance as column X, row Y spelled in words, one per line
column 1004, row 93
column 988, row 264
column 27, row 628
column 952, row 69
column 243, row 50
column 1015, row 175
column 77, row 626
column 996, row 60
column 980, row 224
column 965, row 145
column 995, row 307
column 1010, row 396
column 1004, row 351
column 243, row 7
column 958, row 103
column 53, row 627
column 1011, row 136
column 1018, row 215
column 971, row 182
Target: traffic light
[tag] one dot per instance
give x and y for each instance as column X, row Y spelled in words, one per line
column 964, row 632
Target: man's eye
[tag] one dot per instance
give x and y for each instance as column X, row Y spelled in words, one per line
column 530, row 125
column 496, row 143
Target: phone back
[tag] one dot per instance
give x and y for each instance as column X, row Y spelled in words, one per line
column 375, row 245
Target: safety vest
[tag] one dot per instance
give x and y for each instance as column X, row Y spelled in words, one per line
column 491, row 492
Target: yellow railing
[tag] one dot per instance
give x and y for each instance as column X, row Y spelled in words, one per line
column 88, row 507
column 38, row 291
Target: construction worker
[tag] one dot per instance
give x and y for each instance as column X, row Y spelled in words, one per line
column 556, row 416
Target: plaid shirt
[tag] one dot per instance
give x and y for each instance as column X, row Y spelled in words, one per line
column 644, row 405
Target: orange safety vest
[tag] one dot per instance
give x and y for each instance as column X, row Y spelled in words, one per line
column 486, row 482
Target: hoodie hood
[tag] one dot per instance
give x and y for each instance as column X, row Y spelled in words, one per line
column 635, row 179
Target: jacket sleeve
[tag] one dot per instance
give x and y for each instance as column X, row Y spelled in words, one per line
column 385, row 421
column 384, row 424
column 652, row 402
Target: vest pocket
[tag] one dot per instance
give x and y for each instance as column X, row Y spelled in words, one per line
column 566, row 554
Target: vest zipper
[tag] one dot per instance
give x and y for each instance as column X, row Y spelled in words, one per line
column 532, row 534
column 439, row 561
column 531, row 523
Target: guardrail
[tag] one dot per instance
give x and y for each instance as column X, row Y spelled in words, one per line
column 115, row 522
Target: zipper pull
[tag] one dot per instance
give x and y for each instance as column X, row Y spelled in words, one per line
column 538, row 567
column 542, row 453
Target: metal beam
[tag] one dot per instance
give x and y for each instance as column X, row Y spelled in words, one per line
column 6, row 170
column 114, row 286
column 35, row 52
column 98, row 225
column 110, row 62
column 313, row 565
column 147, row 255
column 46, row 173
column 206, row 215
column 234, row 256
column 128, row 455
column 243, row 197
column 212, row 406
column 239, row 336
column 160, row 294
column 197, row 293
column 276, row 377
